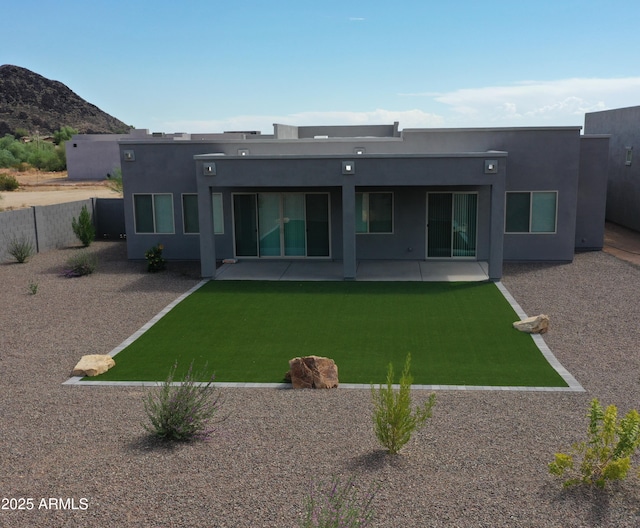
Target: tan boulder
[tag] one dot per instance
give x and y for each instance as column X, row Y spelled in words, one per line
column 313, row 372
column 93, row 364
column 538, row 324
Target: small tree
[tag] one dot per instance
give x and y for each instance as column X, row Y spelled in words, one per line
column 394, row 420
column 83, row 227
column 606, row 455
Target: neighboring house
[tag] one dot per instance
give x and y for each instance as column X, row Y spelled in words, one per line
column 623, row 190
column 352, row 193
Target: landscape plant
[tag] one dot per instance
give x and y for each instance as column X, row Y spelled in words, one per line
column 338, row 505
column 8, row 182
column 606, row 454
column 394, row 418
column 82, row 263
column 184, row 410
column 33, row 287
column 83, row 227
column 155, row 260
column 20, row 249
column 115, row 180
column 34, row 152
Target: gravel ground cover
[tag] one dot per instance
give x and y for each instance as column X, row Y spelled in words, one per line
column 481, row 461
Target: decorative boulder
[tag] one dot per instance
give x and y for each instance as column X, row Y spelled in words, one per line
column 313, row 372
column 537, row 324
column 93, row 364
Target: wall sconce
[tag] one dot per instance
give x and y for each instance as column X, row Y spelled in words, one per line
column 209, row 169
column 490, row 166
column 129, row 155
column 243, row 152
column 358, row 151
column 628, row 156
column 348, row 167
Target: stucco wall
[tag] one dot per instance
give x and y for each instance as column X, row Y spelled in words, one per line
column 623, row 185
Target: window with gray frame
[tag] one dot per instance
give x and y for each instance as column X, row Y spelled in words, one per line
column 531, row 212
column 153, row 213
column 374, row 212
column 191, row 221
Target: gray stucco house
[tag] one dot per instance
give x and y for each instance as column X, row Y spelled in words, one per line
column 623, row 188
column 352, row 193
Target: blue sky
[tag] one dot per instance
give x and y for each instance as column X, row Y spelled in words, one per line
column 209, row 66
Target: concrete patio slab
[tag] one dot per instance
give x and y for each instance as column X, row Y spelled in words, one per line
column 367, row 270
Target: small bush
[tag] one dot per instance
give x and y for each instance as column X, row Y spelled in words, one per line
column 83, row 227
column 82, row 263
column 394, row 420
column 338, row 505
column 183, row 411
column 155, row 261
column 8, row 183
column 115, row 180
column 33, row 287
column 606, row 455
column 20, row 249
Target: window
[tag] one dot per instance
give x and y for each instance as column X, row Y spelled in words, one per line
column 153, row 213
column 191, row 224
column 531, row 212
column 218, row 215
column 374, row 212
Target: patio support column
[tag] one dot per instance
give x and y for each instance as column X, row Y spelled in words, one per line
column 496, row 241
column 349, row 228
column 207, row 241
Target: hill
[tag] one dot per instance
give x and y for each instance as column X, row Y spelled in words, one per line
column 32, row 102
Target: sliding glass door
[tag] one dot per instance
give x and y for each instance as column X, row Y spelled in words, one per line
column 451, row 225
column 281, row 224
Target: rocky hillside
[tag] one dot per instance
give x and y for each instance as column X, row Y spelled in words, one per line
column 30, row 101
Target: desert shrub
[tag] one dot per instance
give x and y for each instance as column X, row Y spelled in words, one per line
column 83, row 227
column 20, row 249
column 338, row 505
column 64, row 134
column 606, row 454
column 115, row 180
column 8, row 182
column 20, row 133
column 33, row 287
column 82, row 263
column 183, row 411
column 7, row 159
column 393, row 417
column 155, row 261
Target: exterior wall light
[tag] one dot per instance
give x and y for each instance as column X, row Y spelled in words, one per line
column 243, row 152
column 348, row 167
column 359, row 151
column 628, row 156
column 490, row 167
column 129, row 155
column 209, row 169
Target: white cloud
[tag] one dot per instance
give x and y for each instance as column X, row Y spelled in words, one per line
column 407, row 118
column 529, row 103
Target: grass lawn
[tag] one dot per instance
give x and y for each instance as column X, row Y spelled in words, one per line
column 457, row 334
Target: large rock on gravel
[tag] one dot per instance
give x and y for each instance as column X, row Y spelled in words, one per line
column 538, row 324
column 93, row 364
column 313, row 372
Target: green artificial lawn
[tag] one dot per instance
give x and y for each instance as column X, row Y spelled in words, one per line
column 457, row 334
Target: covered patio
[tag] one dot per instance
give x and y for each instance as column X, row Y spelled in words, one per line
column 366, row 270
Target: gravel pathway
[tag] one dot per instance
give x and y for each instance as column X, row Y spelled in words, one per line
column 481, row 461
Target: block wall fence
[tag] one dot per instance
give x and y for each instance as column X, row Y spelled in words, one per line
column 48, row 227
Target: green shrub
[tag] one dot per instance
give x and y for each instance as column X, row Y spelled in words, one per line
column 155, row 261
column 183, row 411
column 393, row 418
column 64, row 134
column 33, row 287
column 20, row 249
column 8, row 182
column 338, row 505
column 82, row 263
column 83, row 227
column 115, row 180
column 606, row 455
